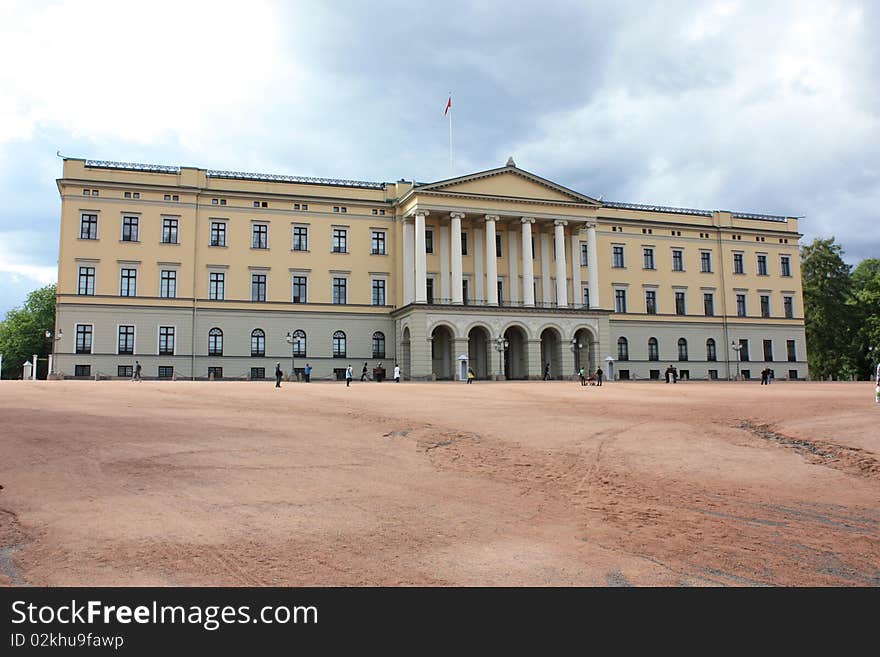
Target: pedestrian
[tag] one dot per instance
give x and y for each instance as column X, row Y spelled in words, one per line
column 599, row 375
column 379, row 373
column 764, row 377
column 307, row 372
column 471, row 376
column 583, row 374
column 547, row 372
column 364, row 372
column 348, row 377
column 396, row 373
column 278, row 375
column 137, row 371
column 674, row 374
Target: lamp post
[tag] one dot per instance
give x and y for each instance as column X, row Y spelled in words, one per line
column 501, row 343
column 737, row 348
column 291, row 340
column 55, row 338
column 576, row 347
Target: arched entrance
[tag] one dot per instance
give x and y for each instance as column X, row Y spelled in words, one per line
column 551, row 352
column 405, row 361
column 478, row 352
column 583, row 351
column 442, row 359
column 516, row 356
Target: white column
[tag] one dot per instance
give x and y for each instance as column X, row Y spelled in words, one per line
column 528, row 275
column 479, row 294
column 512, row 266
column 421, row 259
column 546, row 295
column 34, row 377
column 409, row 273
column 491, row 261
column 51, row 371
column 577, row 296
column 455, row 229
column 593, row 266
column 561, row 273
column 444, row 262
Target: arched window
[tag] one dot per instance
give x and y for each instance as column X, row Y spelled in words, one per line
column 653, row 349
column 258, row 342
column 622, row 349
column 710, row 349
column 378, row 344
column 299, row 343
column 682, row 349
column 339, row 344
column 215, row 342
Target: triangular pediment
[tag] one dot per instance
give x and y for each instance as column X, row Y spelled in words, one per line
column 507, row 182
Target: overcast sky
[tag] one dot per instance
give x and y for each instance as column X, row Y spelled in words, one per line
column 769, row 107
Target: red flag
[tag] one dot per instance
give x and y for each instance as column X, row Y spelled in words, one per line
column 448, row 105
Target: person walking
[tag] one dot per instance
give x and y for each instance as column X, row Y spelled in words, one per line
column 599, row 375
column 764, row 377
column 307, row 372
column 364, row 372
column 471, row 376
column 137, row 371
column 396, row 373
column 278, row 375
column 348, row 377
column 583, row 374
column 547, row 372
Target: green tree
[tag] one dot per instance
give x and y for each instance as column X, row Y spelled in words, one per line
column 865, row 302
column 828, row 317
column 23, row 332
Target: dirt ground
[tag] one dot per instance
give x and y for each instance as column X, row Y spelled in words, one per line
column 694, row 484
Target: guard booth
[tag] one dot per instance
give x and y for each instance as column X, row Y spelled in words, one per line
column 28, row 371
column 609, row 369
column 462, row 367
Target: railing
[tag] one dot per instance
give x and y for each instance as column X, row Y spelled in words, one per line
column 440, row 301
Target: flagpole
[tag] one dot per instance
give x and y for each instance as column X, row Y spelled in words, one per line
column 451, row 167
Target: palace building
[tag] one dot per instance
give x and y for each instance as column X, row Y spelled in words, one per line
column 217, row 274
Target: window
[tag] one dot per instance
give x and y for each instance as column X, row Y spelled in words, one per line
column 706, row 261
column 584, row 251
column 500, row 292
column 378, row 344
column 217, row 286
column 677, row 260
column 215, row 342
column 215, row 373
column 738, row 263
column 791, row 351
column 88, row 227
column 258, row 287
column 586, row 297
column 429, row 241
column 497, row 245
column 653, row 349
column 765, row 305
column 300, row 238
column 708, row 304
column 788, row 306
column 124, row 371
column 299, row 289
column 339, row 344
column 299, row 343
column 464, row 292
column 218, row 233
column 379, row 292
column 258, row 343
column 429, row 289
column 648, row 257
column 618, row 256
column 651, row 302
column 680, row 303
column 793, row 375
column 83, row 338
column 682, row 349
column 125, row 340
column 260, row 236
column 86, row 280
column 654, row 375
column 340, row 286
column 762, row 265
column 377, row 243
column 464, row 246
column 713, row 375
column 169, row 231
column 744, row 351
column 82, row 370
column 622, row 349
column 127, row 282
column 129, row 229
column 340, row 240
column 168, row 284
column 740, row 305
column 711, row 353
column 166, row 372
column 785, row 264
column 768, row 351
column 620, row 301
column 166, row 340
column 258, row 373
column 534, row 253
